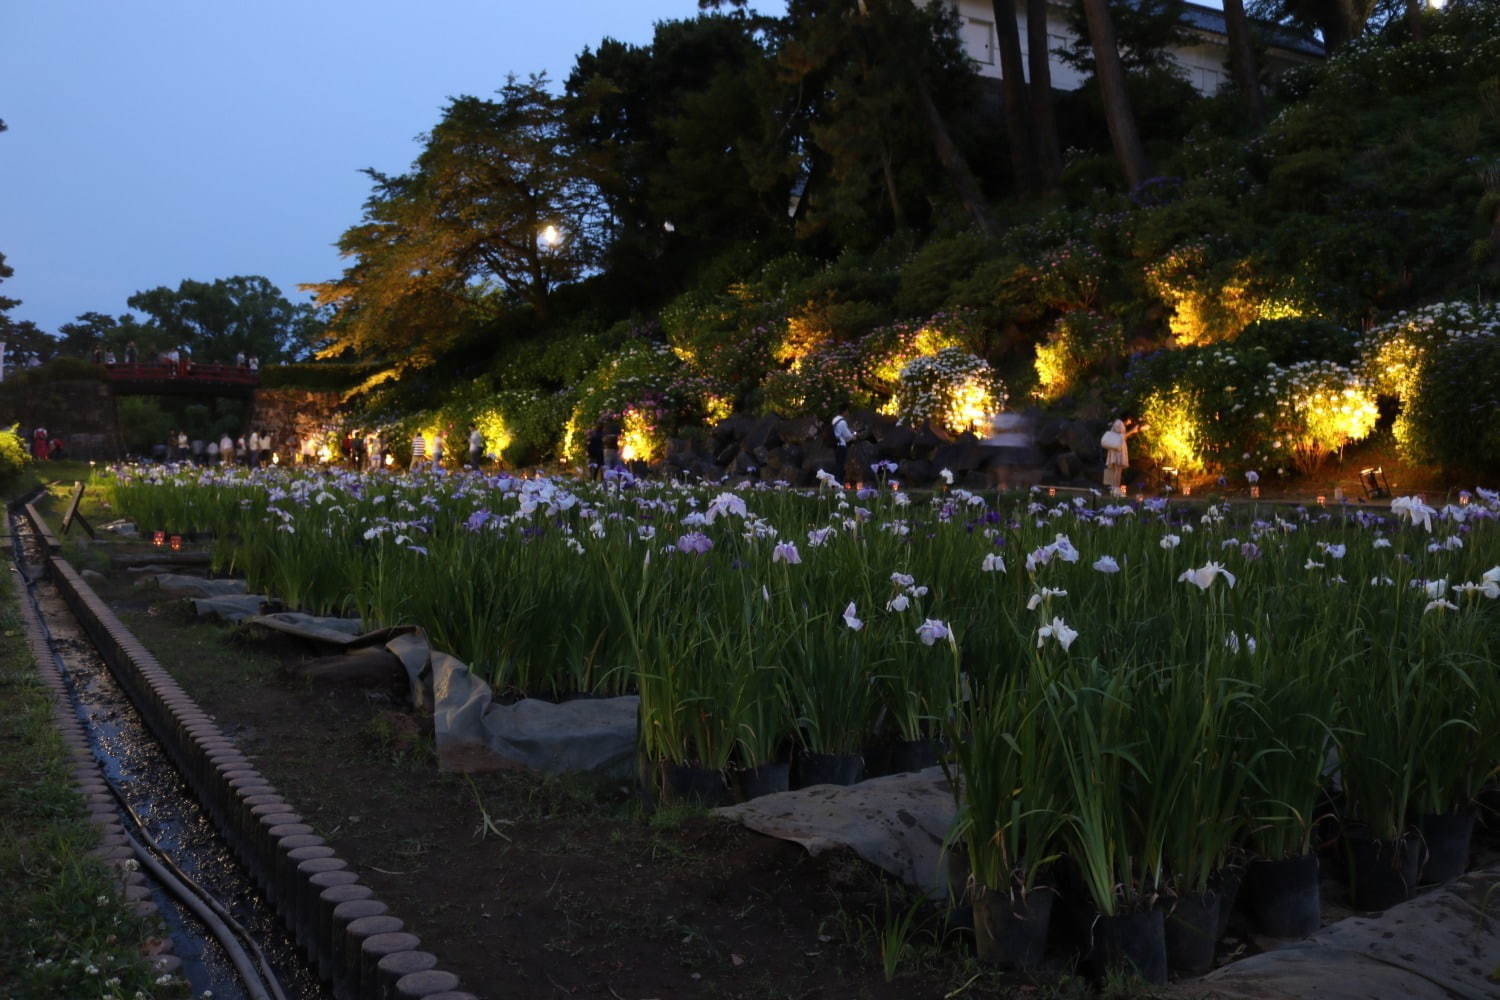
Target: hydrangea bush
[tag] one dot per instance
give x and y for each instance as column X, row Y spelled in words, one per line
column 952, row 388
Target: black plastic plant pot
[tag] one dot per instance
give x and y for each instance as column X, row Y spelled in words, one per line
column 829, row 769
column 1133, row 943
column 1385, row 871
column 684, row 784
column 1192, row 922
column 913, row 755
column 1284, row 896
column 1012, row 933
column 1226, row 884
column 1448, row 836
column 765, row 779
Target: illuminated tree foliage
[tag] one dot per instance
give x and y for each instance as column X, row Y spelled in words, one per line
column 500, row 207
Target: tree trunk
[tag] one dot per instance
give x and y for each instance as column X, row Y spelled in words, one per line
column 1242, row 61
column 898, row 217
column 1414, row 19
column 1013, row 89
column 1043, row 117
column 1340, row 25
column 952, row 160
column 1117, row 113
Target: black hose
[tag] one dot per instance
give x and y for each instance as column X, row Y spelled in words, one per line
column 216, row 927
column 266, row 972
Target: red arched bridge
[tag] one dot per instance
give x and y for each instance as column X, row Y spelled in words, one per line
column 181, row 378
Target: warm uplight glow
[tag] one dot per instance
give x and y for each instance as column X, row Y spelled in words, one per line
column 497, row 436
column 1255, row 492
column 176, row 545
column 716, row 408
column 275, row 458
column 158, row 538
column 1174, row 433
column 638, row 437
column 390, row 460
column 971, row 407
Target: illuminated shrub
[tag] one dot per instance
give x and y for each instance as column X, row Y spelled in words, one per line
column 1212, row 300
column 1205, row 408
column 643, row 436
column 639, row 373
column 952, row 389
column 1078, row 343
column 1174, row 433
column 13, row 454
column 1321, row 406
column 1450, row 415
column 1394, row 357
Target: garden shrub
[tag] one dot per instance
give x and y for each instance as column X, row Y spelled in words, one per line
column 1396, row 354
column 1300, row 338
column 13, row 453
column 931, row 274
column 58, row 370
column 1078, row 344
column 1450, row 417
column 331, row 376
column 952, row 389
column 1320, row 407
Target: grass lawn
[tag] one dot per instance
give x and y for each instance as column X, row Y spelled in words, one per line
column 65, row 931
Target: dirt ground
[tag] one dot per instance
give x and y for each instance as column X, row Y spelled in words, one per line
column 535, row 887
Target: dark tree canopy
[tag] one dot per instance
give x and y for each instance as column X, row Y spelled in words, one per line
column 217, row 320
column 684, row 132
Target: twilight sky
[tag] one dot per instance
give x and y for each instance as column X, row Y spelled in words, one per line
column 156, row 140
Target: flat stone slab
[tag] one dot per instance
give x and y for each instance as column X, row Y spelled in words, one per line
column 233, row 608
column 193, row 586
column 1442, row 945
column 896, row 823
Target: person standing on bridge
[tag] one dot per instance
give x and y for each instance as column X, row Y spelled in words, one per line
column 239, row 359
column 226, row 449
column 130, row 353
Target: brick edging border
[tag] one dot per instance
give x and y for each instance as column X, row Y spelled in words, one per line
column 347, row 934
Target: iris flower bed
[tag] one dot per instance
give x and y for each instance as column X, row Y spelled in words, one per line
column 1151, row 690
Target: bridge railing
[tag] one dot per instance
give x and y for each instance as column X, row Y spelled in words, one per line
column 181, row 371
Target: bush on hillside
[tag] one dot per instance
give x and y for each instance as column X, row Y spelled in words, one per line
column 58, row 370
column 952, row 389
column 1450, row 418
column 13, row 453
column 1301, row 338
column 1078, row 345
column 318, row 376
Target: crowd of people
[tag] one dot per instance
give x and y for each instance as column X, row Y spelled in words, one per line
column 178, row 360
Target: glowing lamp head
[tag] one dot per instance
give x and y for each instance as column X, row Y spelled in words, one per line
column 551, row 236
column 176, row 543
column 158, row 538
column 1255, row 492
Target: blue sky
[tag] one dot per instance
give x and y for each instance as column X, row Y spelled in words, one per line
column 156, row 140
